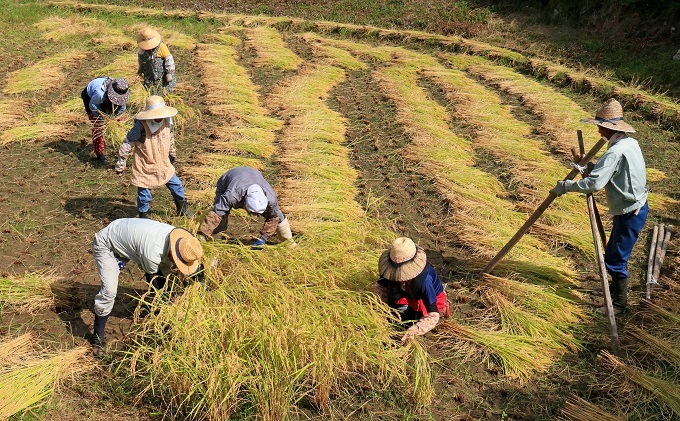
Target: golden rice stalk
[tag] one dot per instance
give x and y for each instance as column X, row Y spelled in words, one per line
column 13, row 112
column 578, row 409
column 47, row 74
column 224, row 39
column 56, row 27
column 29, row 293
column 171, row 37
column 115, row 131
column 518, row 321
column 666, row 392
column 669, row 319
column 661, row 201
column 14, row 350
column 364, row 51
column 334, row 55
column 253, row 140
column 528, row 164
column 656, row 346
column 541, row 300
column 186, row 115
column 521, row 357
column 654, row 174
column 26, row 385
column 124, row 65
column 270, row 49
column 133, row 11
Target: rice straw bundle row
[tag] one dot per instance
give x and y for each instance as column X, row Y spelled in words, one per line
column 655, row 346
column 46, row 74
column 56, row 28
column 124, row 65
column 270, row 49
column 174, row 39
column 31, row 293
column 208, row 358
column 129, row 10
column 14, row 350
column 577, row 409
column 333, row 55
column 25, row 385
column 13, row 112
column 665, row 392
column 525, row 161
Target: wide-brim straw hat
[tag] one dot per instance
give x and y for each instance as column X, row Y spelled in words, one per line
column 118, row 91
column 403, row 261
column 186, row 251
column 256, row 201
column 148, row 39
column 156, row 108
column 610, row 116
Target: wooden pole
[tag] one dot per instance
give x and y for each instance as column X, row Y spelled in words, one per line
column 657, row 249
column 598, row 238
column 650, row 262
column 541, row 208
column 598, row 219
column 662, row 244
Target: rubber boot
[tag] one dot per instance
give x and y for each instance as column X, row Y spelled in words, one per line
column 144, row 215
column 619, row 292
column 183, row 208
column 283, row 230
column 99, row 340
column 101, row 158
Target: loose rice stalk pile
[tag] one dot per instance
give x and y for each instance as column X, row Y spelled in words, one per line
column 577, row 409
column 46, row 74
column 336, row 56
column 270, row 49
column 32, row 292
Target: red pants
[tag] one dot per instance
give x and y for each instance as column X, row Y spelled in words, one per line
column 98, row 125
column 419, row 306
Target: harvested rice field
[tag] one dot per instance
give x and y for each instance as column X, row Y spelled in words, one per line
column 366, row 134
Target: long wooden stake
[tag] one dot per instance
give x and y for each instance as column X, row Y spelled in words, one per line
column 598, row 238
column 541, row 208
column 662, row 244
column 598, row 219
column 650, row 263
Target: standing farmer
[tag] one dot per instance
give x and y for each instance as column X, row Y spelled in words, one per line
column 621, row 172
column 155, row 246
column 103, row 96
column 155, row 62
column 245, row 187
column 411, row 286
column 154, row 143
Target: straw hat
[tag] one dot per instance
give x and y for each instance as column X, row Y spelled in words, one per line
column 186, row 251
column 403, row 261
column 117, row 91
column 148, row 39
column 256, row 201
column 610, row 116
column 156, row 108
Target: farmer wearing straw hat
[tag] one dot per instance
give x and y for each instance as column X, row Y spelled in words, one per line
column 103, row 96
column 411, row 286
column 621, row 172
column 155, row 246
column 155, row 62
column 154, row 156
column 245, row 187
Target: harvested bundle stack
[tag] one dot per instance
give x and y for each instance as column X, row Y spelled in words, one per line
column 657, row 251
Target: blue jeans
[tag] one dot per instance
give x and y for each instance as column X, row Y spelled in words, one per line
column 144, row 194
column 624, row 234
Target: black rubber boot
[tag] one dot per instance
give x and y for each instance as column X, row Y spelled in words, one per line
column 156, row 280
column 99, row 340
column 144, row 215
column 183, row 208
column 619, row 292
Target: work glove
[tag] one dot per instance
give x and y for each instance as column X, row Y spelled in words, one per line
column 560, row 188
column 172, row 159
column 168, row 78
column 259, row 243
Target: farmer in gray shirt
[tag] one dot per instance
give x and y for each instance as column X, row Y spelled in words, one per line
column 621, row 172
column 155, row 246
column 245, row 187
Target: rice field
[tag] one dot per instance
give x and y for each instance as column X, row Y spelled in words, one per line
column 296, row 332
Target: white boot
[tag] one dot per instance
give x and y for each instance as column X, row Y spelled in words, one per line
column 283, row 230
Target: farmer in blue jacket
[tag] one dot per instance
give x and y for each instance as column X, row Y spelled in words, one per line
column 621, row 172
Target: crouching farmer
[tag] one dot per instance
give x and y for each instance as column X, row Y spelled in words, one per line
column 153, row 141
column 155, row 246
column 245, row 187
column 411, row 286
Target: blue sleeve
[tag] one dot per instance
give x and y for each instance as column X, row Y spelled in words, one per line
column 137, row 132
column 428, row 293
column 119, row 110
column 602, row 172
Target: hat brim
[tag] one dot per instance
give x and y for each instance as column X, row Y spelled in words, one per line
column 176, row 235
column 150, row 44
column 164, row 112
column 619, row 126
column 116, row 98
column 402, row 272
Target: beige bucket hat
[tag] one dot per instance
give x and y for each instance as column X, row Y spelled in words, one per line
column 186, row 251
column 156, row 108
column 610, row 116
column 403, row 261
column 148, row 39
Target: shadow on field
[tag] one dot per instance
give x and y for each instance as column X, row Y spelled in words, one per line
column 79, row 150
column 101, row 207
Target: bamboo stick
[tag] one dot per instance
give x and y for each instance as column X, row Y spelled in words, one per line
column 650, row 263
column 662, row 244
column 541, row 208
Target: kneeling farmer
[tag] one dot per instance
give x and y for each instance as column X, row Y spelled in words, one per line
column 155, row 246
column 411, row 286
column 154, row 144
column 245, row 187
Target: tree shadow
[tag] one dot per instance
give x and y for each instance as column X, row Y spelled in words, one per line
column 101, row 207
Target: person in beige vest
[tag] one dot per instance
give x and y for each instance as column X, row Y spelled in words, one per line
column 153, row 141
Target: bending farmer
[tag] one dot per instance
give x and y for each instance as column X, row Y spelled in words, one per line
column 103, row 96
column 245, row 187
column 155, row 246
column 411, row 286
column 621, row 172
